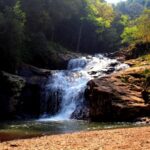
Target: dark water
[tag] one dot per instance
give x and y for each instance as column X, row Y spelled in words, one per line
column 27, row 129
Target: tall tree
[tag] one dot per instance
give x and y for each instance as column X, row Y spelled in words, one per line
column 100, row 13
column 11, row 35
column 138, row 30
column 143, row 25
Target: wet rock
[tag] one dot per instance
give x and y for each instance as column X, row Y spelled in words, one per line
column 11, row 87
column 117, row 97
column 146, row 91
column 143, row 120
column 22, row 95
column 81, row 112
column 53, row 102
column 33, row 94
column 99, row 99
column 28, row 71
column 59, row 60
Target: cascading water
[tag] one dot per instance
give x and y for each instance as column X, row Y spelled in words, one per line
column 65, row 89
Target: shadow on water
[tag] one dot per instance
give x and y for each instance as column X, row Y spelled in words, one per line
column 33, row 128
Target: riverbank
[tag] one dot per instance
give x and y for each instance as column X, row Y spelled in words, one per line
column 114, row 139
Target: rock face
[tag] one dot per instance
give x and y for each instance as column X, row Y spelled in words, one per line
column 132, row 52
column 21, row 95
column 10, row 93
column 59, row 60
column 32, row 94
column 118, row 97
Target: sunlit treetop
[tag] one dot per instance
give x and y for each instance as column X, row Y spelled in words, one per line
column 99, row 13
column 114, row 1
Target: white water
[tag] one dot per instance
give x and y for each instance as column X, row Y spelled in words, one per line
column 68, row 86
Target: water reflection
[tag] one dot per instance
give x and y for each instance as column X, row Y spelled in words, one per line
column 28, row 129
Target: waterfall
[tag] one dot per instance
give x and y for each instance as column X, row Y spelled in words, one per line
column 65, row 89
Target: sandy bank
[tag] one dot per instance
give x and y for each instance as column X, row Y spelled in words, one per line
column 117, row 139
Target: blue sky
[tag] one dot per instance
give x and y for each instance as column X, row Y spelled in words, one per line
column 114, row 1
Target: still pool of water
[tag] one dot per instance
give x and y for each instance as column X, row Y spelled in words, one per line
column 27, row 129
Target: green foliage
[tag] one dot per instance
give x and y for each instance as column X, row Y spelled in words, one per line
column 138, row 30
column 129, row 35
column 11, row 36
column 124, row 20
column 146, row 57
column 125, row 79
column 21, row 16
column 143, row 25
column 99, row 13
column 146, row 72
column 29, row 28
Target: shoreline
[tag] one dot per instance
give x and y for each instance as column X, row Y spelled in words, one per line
column 137, row 138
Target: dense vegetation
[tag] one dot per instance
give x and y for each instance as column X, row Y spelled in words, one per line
column 32, row 30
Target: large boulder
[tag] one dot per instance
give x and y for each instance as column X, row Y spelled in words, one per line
column 54, row 59
column 118, row 97
column 33, row 94
column 59, row 60
column 11, row 87
column 22, row 95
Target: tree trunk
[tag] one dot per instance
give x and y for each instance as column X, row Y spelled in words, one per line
column 79, row 38
column 53, row 34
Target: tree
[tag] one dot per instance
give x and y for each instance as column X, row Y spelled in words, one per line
column 97, row 12
column 138, row 30
column 100, row 13
column 129, row 35
column 11, row 36
column 143, row 25
column 132, row 8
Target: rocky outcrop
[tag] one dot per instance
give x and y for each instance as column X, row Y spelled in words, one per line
column 59, row 60
column 28, row 71
column 56, row 59
column 33, row 94
column 11, row 87
column 21, row 95
column 132, row 52
column 118, row 97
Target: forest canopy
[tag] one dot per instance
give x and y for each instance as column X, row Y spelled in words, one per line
column 31, row 30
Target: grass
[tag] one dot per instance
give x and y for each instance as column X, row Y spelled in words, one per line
column 143, row 60
column 146, row 57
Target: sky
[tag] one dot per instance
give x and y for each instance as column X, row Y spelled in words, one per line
column 114, row 1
